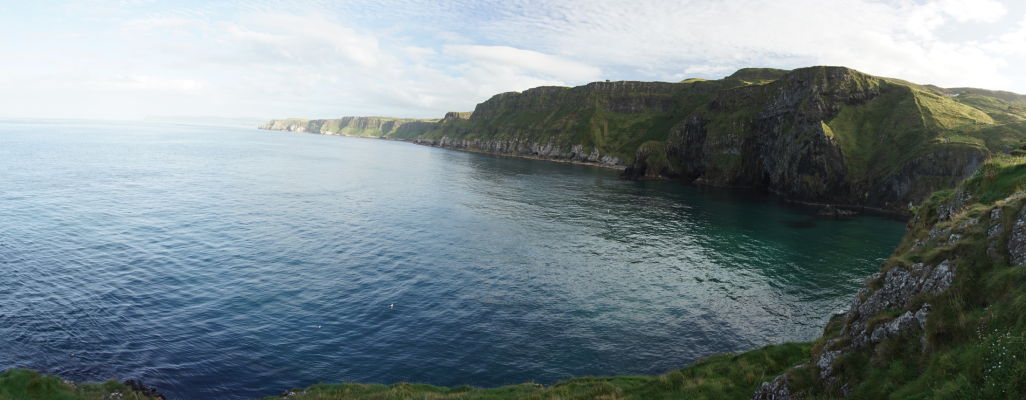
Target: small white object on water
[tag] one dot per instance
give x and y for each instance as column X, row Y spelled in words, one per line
column 391, row 306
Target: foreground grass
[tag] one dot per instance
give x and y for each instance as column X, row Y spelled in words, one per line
column 21, row 384
column 726, row 376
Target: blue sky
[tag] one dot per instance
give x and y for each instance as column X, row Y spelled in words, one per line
column 268, row 59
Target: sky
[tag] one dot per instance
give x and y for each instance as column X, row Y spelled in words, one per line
column 261, row 59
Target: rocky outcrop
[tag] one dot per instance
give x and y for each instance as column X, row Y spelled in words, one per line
column 1017, row 240
column 777, row 389
column 952, row 236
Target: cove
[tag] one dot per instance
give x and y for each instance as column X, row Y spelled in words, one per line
column 231, row 263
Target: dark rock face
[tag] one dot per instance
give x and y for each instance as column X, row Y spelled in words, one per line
column 1017, row 240
column 776, row 389
column 144, row 390
column 923, row 175
column 774, row 137
column 783, row 147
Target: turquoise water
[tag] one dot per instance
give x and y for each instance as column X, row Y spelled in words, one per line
column 222, row 263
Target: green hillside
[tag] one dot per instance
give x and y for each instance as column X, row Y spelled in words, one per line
column 828, row 135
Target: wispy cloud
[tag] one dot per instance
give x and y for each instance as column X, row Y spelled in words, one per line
column 422, row 58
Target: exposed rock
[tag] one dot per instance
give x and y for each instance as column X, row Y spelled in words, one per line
column 777, row 389
column 775, row 137
column 993, row 232
column 826, row 362
column 946, row 210
column 1017, row 240
column 836, row 212
column 527, row 148
column 140, row 388
column 902, row 323
column 923, row 314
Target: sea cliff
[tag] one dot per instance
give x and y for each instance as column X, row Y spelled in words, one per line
column 379, row 127
column 822, row 135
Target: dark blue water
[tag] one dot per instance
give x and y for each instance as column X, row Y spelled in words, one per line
column 222, row 263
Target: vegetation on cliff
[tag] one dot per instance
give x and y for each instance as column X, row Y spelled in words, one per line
column 819, row 134
column 835, row 135
column 21, row 384
column 724, row 376
column 944, row 319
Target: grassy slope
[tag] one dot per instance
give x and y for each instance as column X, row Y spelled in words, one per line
column 717, row 377
column 20, row 384
column 580, row 115
column 977, row 329
column 876, row 137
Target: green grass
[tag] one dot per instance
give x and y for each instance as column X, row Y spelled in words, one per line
column 21, row 384
column 999, row 178
column 722, row 376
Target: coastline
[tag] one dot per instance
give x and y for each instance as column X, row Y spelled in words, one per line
column 856, row 209
column 617, row 167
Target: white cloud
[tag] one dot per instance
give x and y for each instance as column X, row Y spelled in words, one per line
column 973, row 10
column 416, row 58
column 529, row 61
column 657, row 40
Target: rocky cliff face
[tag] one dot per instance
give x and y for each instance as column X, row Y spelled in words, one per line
column 820, row 134
column 602, row 122
column 355, row 126
column 826, row 134
column 526, row 148
column 952, row 291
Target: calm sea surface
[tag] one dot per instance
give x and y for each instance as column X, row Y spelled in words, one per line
column 225, row 263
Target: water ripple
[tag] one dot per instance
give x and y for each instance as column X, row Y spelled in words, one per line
column 220, row 263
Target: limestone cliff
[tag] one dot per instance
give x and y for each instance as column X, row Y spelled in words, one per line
column 355, row 126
